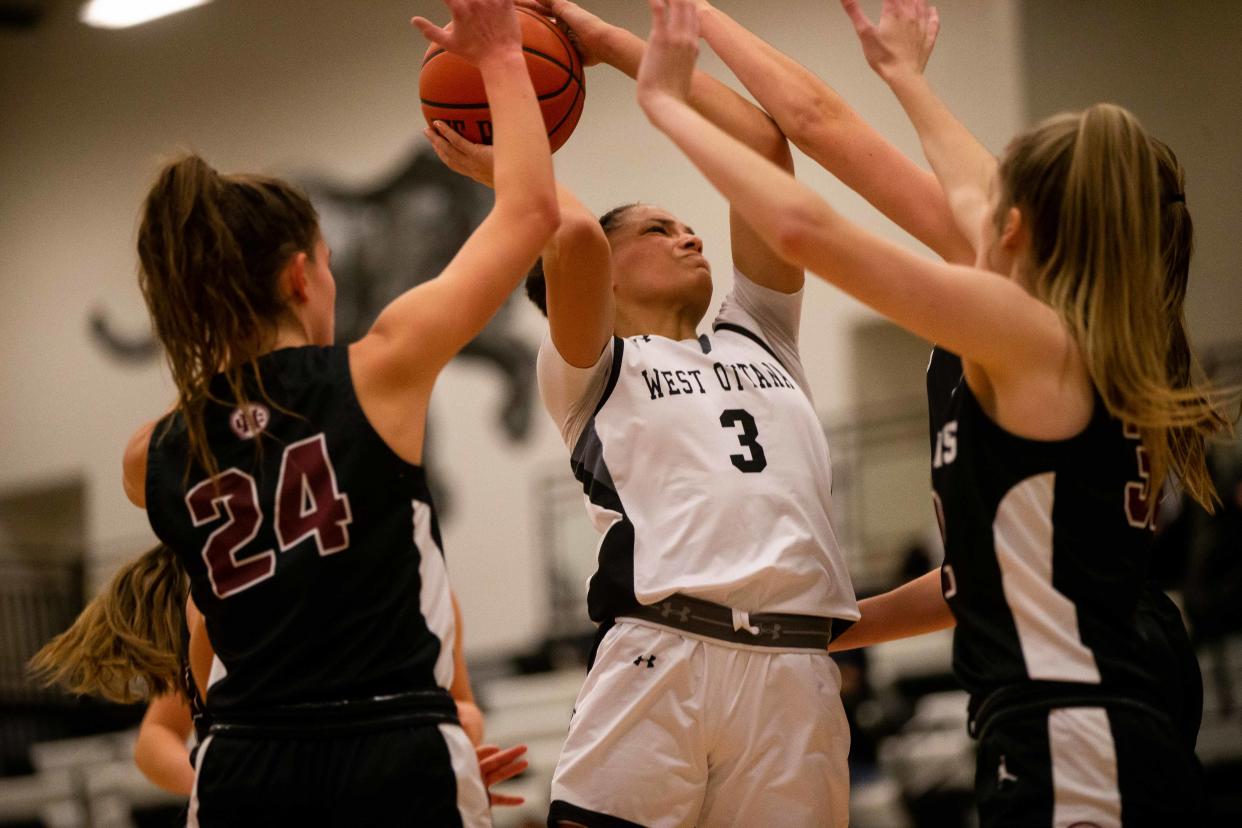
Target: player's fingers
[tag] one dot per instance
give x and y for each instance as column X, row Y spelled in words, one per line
column 508, row 771
column 462, row 145
column 499, row 758
column 857, row 16
column 431, row 31
column 484, row 751
column 535, row 6
column 507, row 799
column 933, row 26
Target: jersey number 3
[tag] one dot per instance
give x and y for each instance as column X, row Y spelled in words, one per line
column 308, row 505
column 755, row 460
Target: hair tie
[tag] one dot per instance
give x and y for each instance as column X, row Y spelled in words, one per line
column 1176, row 198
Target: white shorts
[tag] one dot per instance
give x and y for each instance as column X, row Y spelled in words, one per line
column 673, row 730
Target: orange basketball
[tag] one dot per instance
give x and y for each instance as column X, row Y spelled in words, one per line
column 451, row 90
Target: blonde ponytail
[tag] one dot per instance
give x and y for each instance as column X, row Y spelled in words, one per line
column 1095, row 190
column 128, row 643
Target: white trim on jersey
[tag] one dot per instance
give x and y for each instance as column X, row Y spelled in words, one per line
column 218, row 672
column 434, row 597
column 191, row 820
column 1084, row 768
column 473, row 804
column 1046, row 621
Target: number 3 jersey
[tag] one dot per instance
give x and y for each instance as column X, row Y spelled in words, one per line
column 1047, row 544
column 314, row 554
column 704, row 465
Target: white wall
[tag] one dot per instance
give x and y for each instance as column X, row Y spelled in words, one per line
column 290, row 86
column 1176, row 65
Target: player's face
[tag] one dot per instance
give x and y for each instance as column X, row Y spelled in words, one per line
column 321, row 295
column 658, row 260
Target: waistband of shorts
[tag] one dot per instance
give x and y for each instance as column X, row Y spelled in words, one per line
column 1036, row 697
column 779, row 631
column 339, row 716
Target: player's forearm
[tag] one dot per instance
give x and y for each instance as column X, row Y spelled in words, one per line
column 715, row 101
column 963, row 166
column 914, row 608
column 525, row 189
column 821, row 124
column 792, row 95
column 163, row 758
column 777, row 206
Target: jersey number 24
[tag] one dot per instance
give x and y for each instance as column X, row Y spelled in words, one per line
column 308, row 505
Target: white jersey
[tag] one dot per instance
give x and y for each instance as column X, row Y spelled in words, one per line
column 704, row 465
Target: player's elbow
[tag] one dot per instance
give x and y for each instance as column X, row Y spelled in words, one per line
column 799, row 227
column 815, row 120
column 772, row 145
column 531, row 217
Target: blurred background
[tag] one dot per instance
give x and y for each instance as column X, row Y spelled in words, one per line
column 325, row 92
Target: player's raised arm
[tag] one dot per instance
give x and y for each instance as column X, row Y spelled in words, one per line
column 426, row 326
column 601, row 42
column 821, row 124
column 992, row 321
column 897, row 48
column 576, row 264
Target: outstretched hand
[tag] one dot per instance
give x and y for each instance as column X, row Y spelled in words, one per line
column 902, row 41
column 668, row 62
column 584, row 29
column 497, row 765
column 461, row 155
column 480, row 29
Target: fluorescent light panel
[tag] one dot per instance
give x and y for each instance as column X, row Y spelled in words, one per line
column 120, row 14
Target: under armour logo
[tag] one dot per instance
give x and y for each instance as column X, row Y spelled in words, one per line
column 667, row 610
column 649, row 659
column 774, row 631
column 1003, row 775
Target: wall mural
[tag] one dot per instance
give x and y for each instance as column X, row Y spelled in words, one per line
column 385, row 240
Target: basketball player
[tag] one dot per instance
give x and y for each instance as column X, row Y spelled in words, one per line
column 706, row 470
column 821, row 124
column 1032, row 389
column 287, row 479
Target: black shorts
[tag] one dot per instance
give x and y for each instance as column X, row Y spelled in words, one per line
column 416, row 775
column 1086, row 766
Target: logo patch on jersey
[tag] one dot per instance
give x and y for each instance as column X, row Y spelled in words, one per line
column 250, row 422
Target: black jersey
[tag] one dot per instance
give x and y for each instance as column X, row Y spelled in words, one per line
column 1047, row 545
column 315, row 556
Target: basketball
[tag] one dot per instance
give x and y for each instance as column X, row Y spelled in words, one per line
column 451, row 90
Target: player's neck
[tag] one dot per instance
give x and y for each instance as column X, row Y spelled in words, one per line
column 667, row 322
column 288, row 335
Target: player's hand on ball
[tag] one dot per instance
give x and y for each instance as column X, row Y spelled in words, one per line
column 668, row 62
column 497, row 765
column 461, row 156
column 480, row 29
column 902, row 41
column 585, row 31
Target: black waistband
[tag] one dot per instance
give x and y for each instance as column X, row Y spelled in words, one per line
column 768, row 629
column 341, row 716
column 1034, row 697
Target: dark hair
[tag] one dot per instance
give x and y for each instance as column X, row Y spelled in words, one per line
column 211, row 248
column 128, row 643
column 537, row 285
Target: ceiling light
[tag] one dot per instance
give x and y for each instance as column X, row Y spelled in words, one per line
column 120, row 14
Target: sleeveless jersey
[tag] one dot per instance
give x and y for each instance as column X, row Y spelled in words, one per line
column 1047, row 545
column 315, row 557
column 705, row 467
